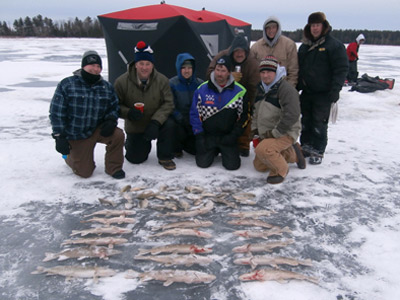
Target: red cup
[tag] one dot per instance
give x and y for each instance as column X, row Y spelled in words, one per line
column 256, row 140
column 139, row 106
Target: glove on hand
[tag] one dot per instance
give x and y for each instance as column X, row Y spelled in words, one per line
column 62, row 145
column 134, row 114
column 107, row 128
column 237, row 75
column 334, row 96
column 151, row 132
column 201, row 143
column 268, row 134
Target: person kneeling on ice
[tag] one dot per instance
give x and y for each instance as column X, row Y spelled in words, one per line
column 218, row 117
column 276, row 120
column 84, row 112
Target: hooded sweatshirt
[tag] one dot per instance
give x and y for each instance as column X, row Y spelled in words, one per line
column 183, row 89
column 283, row 48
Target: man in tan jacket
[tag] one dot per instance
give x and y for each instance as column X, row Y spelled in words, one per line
column 282, row 47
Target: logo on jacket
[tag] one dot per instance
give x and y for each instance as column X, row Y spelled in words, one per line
column 210, row 100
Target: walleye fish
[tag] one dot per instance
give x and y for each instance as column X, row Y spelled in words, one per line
column 250, row 222
column 254, row 261
column 262, row 233
column 143, row 203
column 125, row 189
column 105, row 201
column 110, row 241
column 76, row 271
column 102, row 230
column 176, row 259
column 207, row 207
column 261, row 247
column 186, row 224
column 118, row 220
column 183, row 231
column 171, row 276
column 194, row 189
column 251, row 214
column 111, row 212
column 146, row 195
column 224, row 201
column 166, row 205
column 176, row 248
column 245, row 198
column 277, row 275
column 81, row 253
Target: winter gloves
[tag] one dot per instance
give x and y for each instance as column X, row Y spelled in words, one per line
column 62, row 145
column 135, row 114
column 107, row 128
column 334, row 96
column 151, row 132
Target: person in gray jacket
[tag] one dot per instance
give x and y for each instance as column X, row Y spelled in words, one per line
column 276, row 120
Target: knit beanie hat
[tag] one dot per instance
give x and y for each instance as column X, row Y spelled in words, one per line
column 225, row 61
column 90, row 58
column 269, row 63
column 317, row 17
column 143, row 52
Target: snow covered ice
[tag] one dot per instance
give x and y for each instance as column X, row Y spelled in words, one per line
column 344, row 214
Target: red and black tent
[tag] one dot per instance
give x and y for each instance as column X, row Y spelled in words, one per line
column 169, row 30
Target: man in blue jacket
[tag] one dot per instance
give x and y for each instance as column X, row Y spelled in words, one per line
column 183, row 86
column 323, row 68
column 84, row 112
column 219, row 116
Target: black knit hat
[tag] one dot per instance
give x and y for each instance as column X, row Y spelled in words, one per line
column 269, row 63
column 225, row 61
column 90, row 58
column 143, row 52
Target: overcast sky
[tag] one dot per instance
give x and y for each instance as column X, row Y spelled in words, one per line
column 342, row 14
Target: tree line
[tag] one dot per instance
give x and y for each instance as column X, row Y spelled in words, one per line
column 46, row 27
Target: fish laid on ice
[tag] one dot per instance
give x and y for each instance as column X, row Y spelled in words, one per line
column 82, row 253
column 176, row 259
column 183, row 231
column 125, row 189
column 110, row 241
column 224, row 201
column 261, row 247
column 105, row 201
column 166, row 205
column 250, row 222
column 262, row 233
column 277, row 275
column 255, row 261
column 144, row 203
column 146, row 195
column 176, row 248
column 76, row 271
column 186, row 224
column 102, row 230
column 118, row 220
column 194, row 189
column 245, row 198
column 111, row 212
column 171, row 276
column 207, row 207
column 251, row 214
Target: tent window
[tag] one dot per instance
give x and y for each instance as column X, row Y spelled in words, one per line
column 211, row 43
column 137, row 26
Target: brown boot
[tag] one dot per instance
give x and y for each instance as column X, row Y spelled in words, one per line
column 167, row 164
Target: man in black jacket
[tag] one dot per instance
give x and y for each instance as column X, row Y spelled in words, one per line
column 323, row 68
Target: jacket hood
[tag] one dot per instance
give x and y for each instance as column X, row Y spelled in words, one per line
column 219, row 88
column 280, row 73
column 179, row 62
column 239, row 42
column 359, row 38
column 272, row 42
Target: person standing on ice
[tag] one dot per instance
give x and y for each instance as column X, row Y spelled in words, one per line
column 323, row 67
column 183, row 86
column 352, row 54
column 276, row 120
column 218, row 117
column 84, row 112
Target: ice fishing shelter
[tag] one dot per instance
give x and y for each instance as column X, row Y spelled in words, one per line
column 169, row 30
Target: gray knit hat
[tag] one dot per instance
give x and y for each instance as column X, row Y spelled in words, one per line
column 91, row 57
